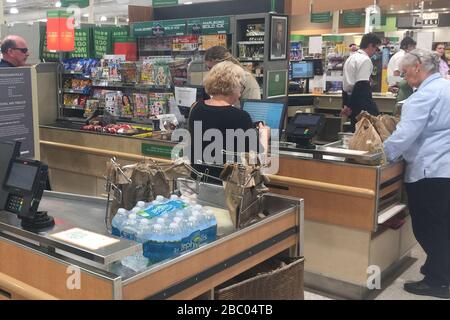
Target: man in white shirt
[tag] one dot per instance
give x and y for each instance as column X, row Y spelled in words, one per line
column 357, row 94
column 393, row 70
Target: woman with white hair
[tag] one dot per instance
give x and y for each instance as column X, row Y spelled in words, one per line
column 224, row 84
column 422, row 138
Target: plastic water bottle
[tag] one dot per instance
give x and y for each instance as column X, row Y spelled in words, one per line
column 154, row 244
column 211, row 226
column 173, row 239
column 138, row 262
column 141, row 204
column 129, row 229
column 118, row 220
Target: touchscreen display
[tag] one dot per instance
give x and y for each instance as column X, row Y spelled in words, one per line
column 21, row 176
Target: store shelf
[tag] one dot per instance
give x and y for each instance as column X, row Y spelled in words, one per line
column 76, row 74
column 131, row 86
column 72, row 107
column 76, row 91
column 250, row 59
column 250, row 42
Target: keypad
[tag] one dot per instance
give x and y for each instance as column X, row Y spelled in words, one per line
column 15, row 203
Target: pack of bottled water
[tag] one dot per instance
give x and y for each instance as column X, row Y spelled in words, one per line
column 165, row 227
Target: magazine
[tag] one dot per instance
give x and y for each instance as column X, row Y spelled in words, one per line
column 127, row 106
column 140, row 105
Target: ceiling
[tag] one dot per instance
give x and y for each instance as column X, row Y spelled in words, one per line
column 34, row 10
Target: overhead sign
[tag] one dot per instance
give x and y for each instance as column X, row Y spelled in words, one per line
column 164, row 3
column 160, row 28
column 352, row 19
column 83, row 46
column 322, row 17
column 213, row 25
column 430, row 19
column 77, row 3
column 103, row 43
column 60, row 31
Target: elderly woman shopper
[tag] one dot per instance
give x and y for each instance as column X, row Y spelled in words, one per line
column 422, row 138
column 224, row 84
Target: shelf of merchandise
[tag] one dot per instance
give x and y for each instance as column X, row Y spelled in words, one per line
column 251, row 42
column 81, row 92
column 131, row 86
column 73, row 107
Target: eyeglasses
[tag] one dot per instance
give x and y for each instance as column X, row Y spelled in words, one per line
column 417, row 56
column 23, row 50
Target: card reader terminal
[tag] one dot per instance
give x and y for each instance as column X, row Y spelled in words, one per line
column 25, row 182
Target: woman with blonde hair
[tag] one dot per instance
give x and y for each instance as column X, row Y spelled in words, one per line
column 224, row 84
column 218, row 54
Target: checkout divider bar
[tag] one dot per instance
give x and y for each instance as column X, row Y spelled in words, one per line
column 295, row 182
column 15, row 287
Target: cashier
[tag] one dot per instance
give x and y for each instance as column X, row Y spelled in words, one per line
column 357, row 94
column 422, row 138
column 251, row 89
column 217, row 115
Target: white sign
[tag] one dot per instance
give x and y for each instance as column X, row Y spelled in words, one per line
column 85, row 239
column 315, row 44
column 185, row 97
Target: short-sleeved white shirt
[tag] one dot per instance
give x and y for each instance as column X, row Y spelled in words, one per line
column 357, row 67
column 394, row 65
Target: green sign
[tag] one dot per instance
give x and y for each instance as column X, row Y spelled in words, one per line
column 160, row 28
column 83, row 46
column 333, row 38
column 163, row 3
column 321, row 17
column 156, row 150
column 124, row 39
column 102, row 42
column 277, row 83
column 213, row 25
column 44, row 54
column 120, row 32
column 352, row 19
column 78, row 3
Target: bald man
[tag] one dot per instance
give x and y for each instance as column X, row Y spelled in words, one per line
column 15, row 52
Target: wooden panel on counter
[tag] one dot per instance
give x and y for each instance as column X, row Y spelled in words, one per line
column 333, row 208
column 49, row 276
column 330, row 172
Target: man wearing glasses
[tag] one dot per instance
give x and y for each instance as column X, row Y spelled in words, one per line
column 15, row 52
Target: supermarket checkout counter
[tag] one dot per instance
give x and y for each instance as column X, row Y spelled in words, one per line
column 46, row 264
column 354, row 218
column 56, row 245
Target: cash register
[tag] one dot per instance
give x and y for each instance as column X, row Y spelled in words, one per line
column 23, row 182
column 303, row 128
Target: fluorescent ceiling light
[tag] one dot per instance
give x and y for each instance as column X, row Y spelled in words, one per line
column 11, row 1
column 190, row 2
column 86, row 15
column 103, row 18
column 14, row 10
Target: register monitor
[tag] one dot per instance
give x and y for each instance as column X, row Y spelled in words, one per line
column 268, row 111
column 303, row 127
column 302, row 70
